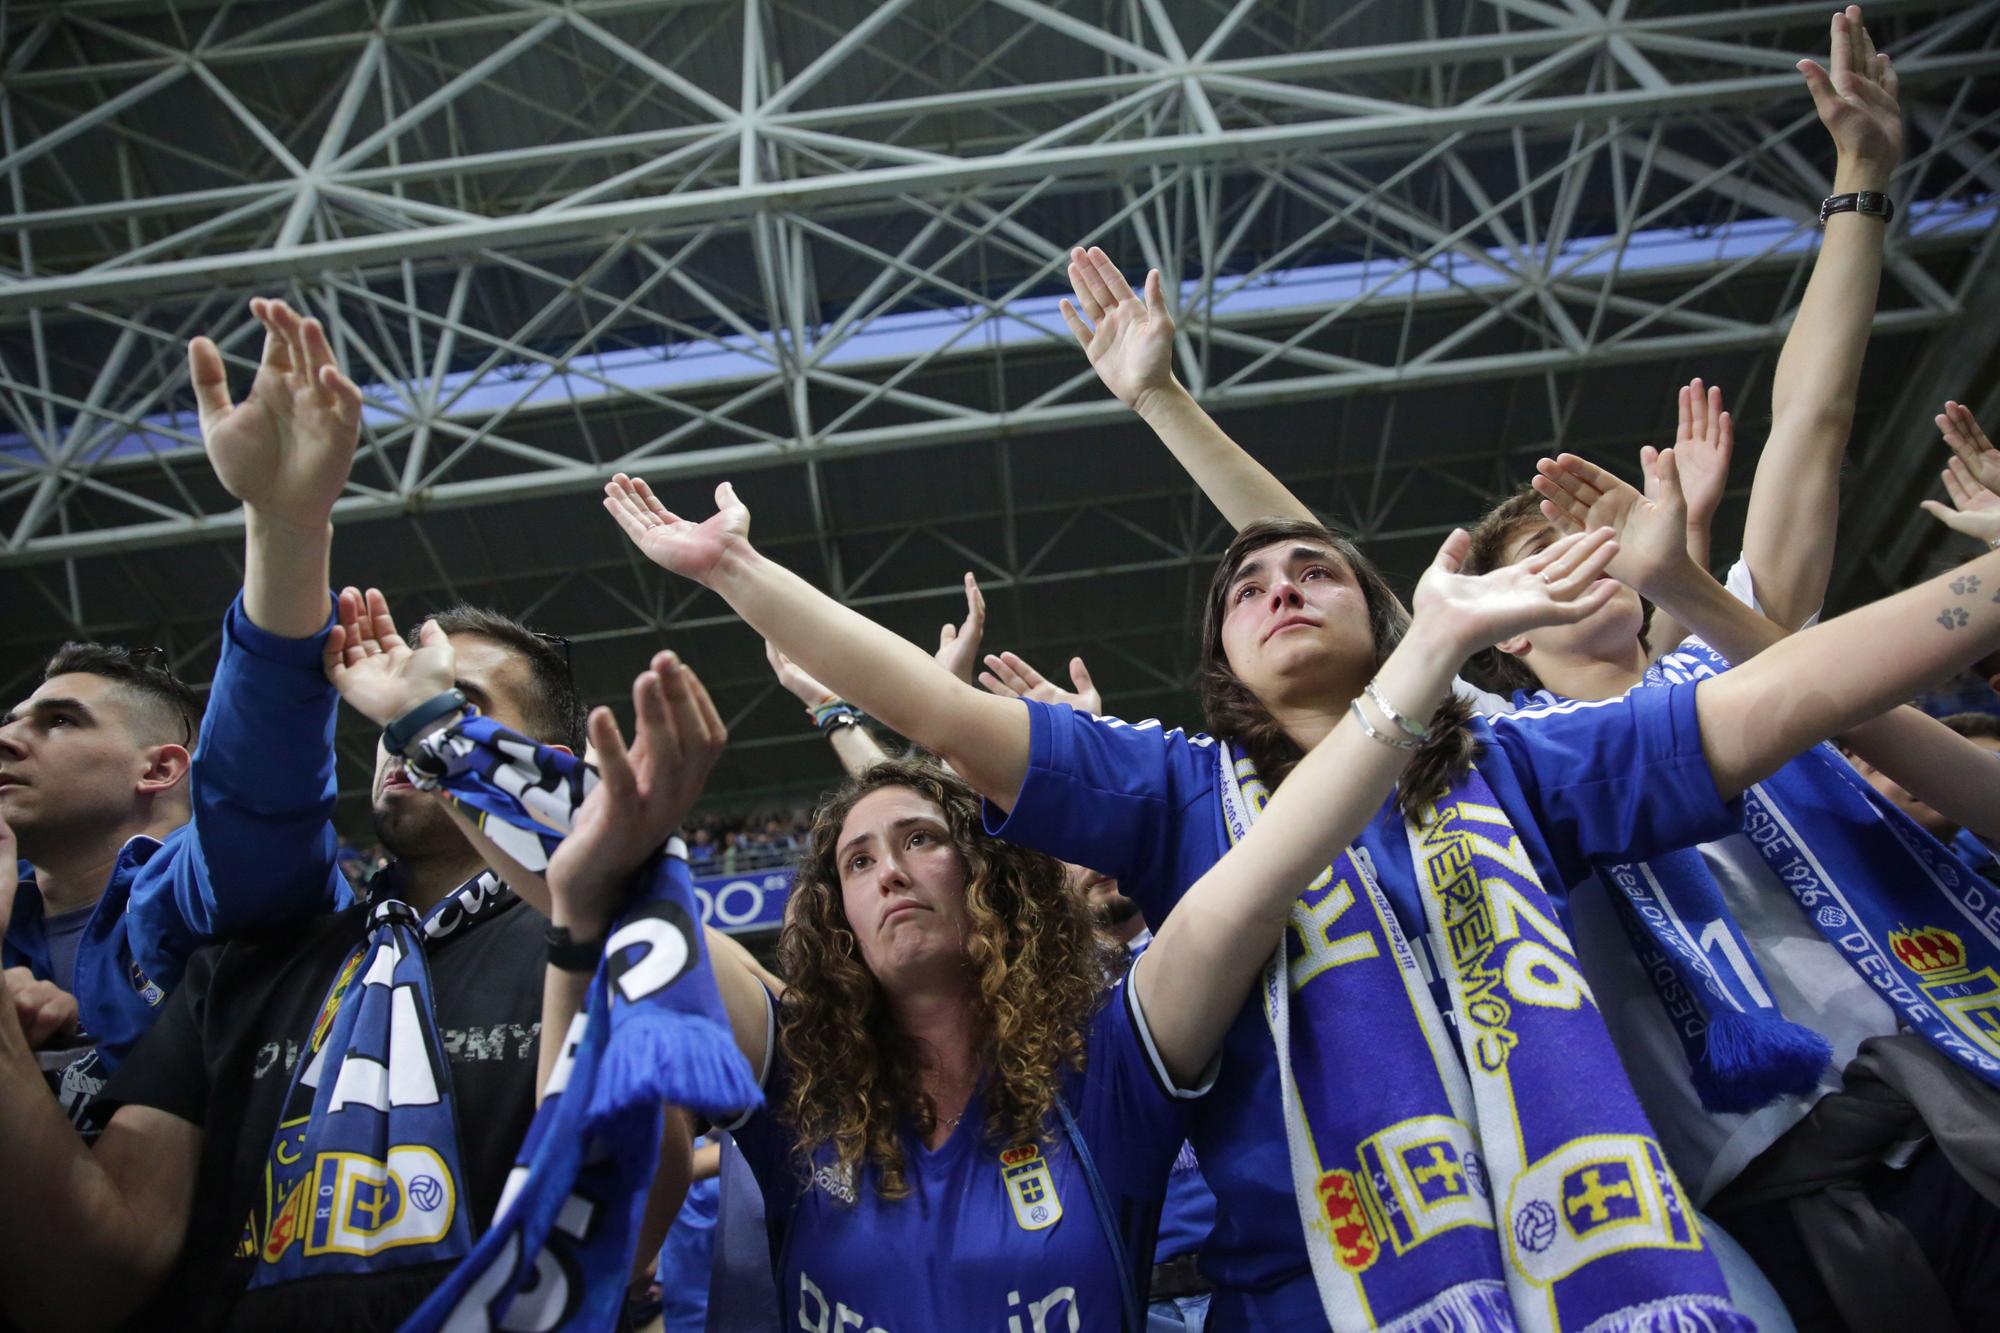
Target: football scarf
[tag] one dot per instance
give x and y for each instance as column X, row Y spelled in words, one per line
column 363, row 1173
column 653, row 1032
column 1909, row 916
column 1500, row 1179
column 1741, row 1051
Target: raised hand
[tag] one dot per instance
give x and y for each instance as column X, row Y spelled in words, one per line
column 1577, row 495
column 286, row 449
column 1130, row 342
column 1970, row 478
column 643, row 794
column 1961, row 432
column 1008, row 676
column 1558, row 585
column 679, row 545
column 801, row 684
column 45, row 1011
column 1857, row 99
column 377, row 673
column 958, row 645
column 1704, row 439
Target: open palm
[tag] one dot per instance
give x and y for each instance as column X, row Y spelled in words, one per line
column 287, row 448
column 676, row 544
column 643, row 793
column 1130, row 342
column 1704, row 440
column 1559, row 585
column 1651, row 528
column 377, row 672
column 1856, row 96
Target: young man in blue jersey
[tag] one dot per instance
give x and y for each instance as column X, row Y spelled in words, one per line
column 142, row 844
column 1767, row 1167
column 179, row 1209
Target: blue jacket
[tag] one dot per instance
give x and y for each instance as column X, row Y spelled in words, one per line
column 258, row 851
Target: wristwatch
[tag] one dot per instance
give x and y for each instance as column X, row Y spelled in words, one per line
column 1868, row 203
column 400, row 734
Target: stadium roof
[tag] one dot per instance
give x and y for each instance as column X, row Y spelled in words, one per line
column 816, row 247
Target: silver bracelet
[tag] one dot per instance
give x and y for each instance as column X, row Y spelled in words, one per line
column 1384, row 737
column 1416, row 729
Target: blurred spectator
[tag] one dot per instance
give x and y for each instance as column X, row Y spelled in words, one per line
column 732, row 842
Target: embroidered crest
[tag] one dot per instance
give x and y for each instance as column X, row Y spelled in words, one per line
column 1030, row 1188
column 1354, row 1241
column 1969, row 997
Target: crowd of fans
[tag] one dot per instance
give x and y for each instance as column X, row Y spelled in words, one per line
column 1516, row 954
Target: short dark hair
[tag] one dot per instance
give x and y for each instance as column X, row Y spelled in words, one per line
column 553, row 712
column 1977, row 726
column 173, row 704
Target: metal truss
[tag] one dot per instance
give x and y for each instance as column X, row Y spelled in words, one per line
column 1410, row 244
column 564, row 239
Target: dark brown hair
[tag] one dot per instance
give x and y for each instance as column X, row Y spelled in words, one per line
column 1232, row 713
column 1039, row 973
column 552, row 710
column 170, row 703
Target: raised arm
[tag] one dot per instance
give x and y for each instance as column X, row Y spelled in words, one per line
column 1795, row 498
column 1130, row 343
column 1941, row 767
column 985, row 739
column 1823, row 681
column 285, row 452
column 262, row 785
column 86, row 1234
column 853, row 744
column 1206, row 955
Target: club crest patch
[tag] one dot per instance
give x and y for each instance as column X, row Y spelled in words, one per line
column 1031, row 1189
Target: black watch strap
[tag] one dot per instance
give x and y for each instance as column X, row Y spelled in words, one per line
column 397, row 736
column 1868, row 203
column 573, row 955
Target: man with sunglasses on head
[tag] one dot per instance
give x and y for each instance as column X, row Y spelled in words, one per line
column 146, row 830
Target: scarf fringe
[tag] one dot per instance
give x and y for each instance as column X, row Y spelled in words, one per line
column 1751, row 1061
column 1470, row 1307
column 676, row 1057
column 1676, row 1314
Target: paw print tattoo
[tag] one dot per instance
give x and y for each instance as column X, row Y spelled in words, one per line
column 1966, row 586
column 1953, row 618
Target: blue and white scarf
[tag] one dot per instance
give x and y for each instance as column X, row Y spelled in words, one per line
column 653, row 1033
column 1918, row 923
column 1510, row 1185
column 363, row 1172
column 1741, row 1050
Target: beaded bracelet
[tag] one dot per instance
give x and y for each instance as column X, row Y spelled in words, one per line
column 835, row 713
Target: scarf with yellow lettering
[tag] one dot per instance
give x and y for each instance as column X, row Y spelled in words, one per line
column 1501, row 1179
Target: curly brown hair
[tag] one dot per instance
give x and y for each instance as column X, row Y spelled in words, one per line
column 1232, row 713
column 1039, row 972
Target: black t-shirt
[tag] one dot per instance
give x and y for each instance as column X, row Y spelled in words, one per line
column 221, row 1056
